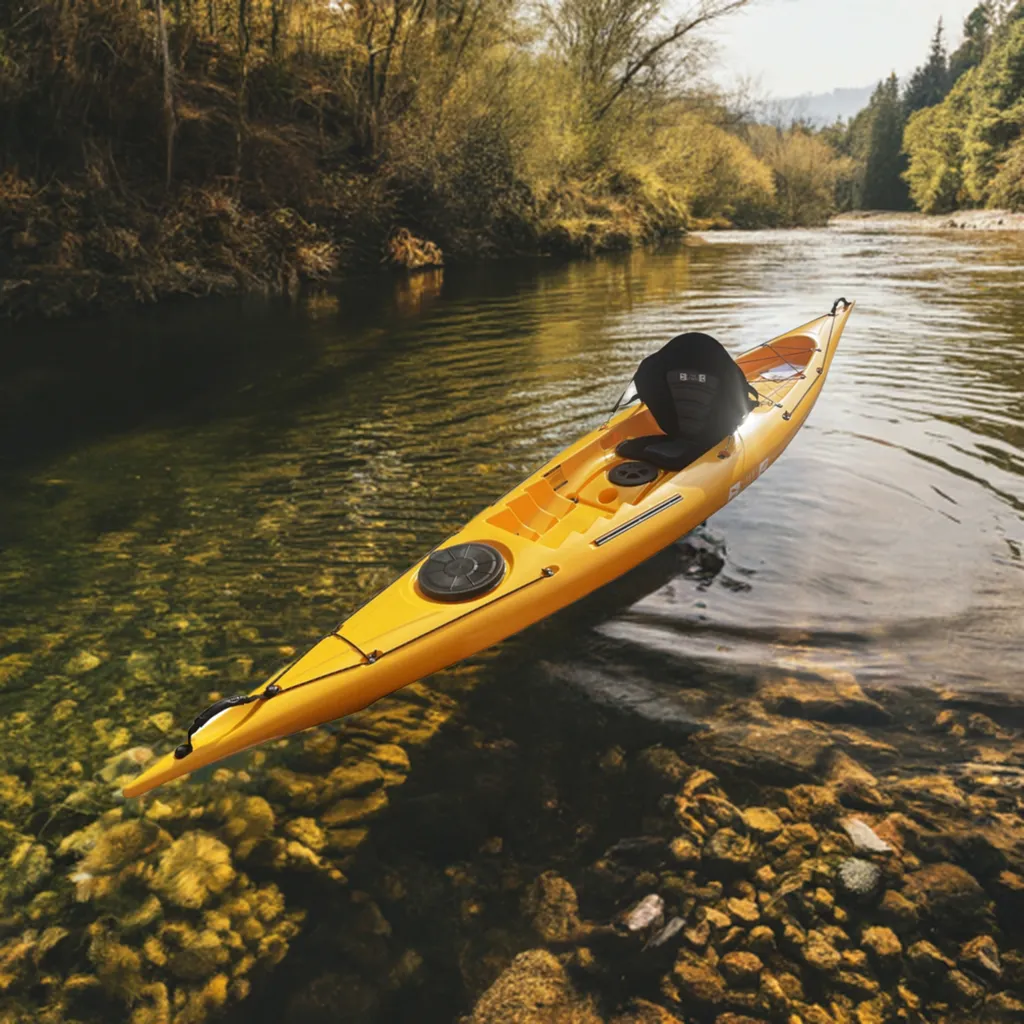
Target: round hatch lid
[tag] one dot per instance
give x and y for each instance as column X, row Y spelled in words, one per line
column 461, row 572
column 632, row 474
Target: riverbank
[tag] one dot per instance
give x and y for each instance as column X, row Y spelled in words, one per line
column 70, row 250
column 962, row 220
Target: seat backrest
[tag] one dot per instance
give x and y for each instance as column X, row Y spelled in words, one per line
column 694, row 388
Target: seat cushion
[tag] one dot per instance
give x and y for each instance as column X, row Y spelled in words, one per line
column 661, row 451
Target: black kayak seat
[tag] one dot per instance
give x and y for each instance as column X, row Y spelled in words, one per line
column 696, row 393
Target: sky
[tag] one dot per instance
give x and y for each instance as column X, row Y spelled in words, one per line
column 793, row 47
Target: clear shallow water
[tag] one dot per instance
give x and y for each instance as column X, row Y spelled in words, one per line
column 189, row 492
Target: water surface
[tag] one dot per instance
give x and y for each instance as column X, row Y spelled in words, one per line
column 190, row 493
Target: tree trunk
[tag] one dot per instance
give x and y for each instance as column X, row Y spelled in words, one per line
column 243, row 82
column 165, row 58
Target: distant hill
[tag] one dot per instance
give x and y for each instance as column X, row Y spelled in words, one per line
column 820, row 109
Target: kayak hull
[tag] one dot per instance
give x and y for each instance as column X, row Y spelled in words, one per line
column 562, row 533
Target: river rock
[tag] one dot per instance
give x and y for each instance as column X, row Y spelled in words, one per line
column 641, row 1011
column 981, row 725
column 762, row 823
column 883, row 945
column 981, row 954
column 697, row 981
column 728, row 851
column 898, row 912
column 819, row 953
column 840, row 699
column 82, row 662
column 746, row 912
column 684, row 851
column 962, row 990
column 1004, row 1006
column 777, row 751
column 664, row 765
column 741, row 969
column 927, row 960
column 648, row 914
column 761, row 940
column 534, row 989
column 553, row 906
column 854, row 784
column 863, row 837
column 948, row 896
column 669, row 932
column 859, row 879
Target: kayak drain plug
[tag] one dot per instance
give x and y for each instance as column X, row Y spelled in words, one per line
column 207, row 716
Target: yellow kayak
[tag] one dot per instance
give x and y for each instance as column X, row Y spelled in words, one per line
column 690, row 433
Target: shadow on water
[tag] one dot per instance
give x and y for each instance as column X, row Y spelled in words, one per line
column 196, row 361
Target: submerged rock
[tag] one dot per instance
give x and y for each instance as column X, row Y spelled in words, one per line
column 819, row 954
column 125, row 765
column 648, row 914
column 82, row 662
column 859, row 879
column 762, row 823
column 660, row 938
column 697, row 981
column 981, row 954
column 927, row 960
column 554, row 908
column 863, row 837
column 192, row 869
column 839, row 699
column 727, row 850
column 948, row 896
column 883, row 945
column 741, row 969
column 534, row 989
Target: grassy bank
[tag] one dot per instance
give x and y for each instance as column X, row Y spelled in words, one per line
column 257, row 145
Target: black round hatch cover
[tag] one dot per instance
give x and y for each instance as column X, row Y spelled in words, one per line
column 461, row 572
column 632, row 474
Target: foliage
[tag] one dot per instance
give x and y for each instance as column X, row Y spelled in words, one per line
column 934, row 141
column 806, row 170
column 977, row 35
column 929, row 84
column 164, row 148
column 967, row 150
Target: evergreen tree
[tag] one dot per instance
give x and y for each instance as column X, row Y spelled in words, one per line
column 977, row 33
column 884, row 187
column 930, row 83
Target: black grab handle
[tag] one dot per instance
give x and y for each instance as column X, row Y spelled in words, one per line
column 184, row 749
column 835, row 306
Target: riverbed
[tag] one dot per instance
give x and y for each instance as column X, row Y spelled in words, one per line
column 190, row 493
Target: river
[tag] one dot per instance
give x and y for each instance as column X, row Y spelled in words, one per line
column 191, row 492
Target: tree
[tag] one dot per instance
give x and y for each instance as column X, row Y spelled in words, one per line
column 884, row 187
column 977, row 34
column 997, row 110
column 929, row 84
column 933, row 141
column 168, row 91
column 617, row 48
